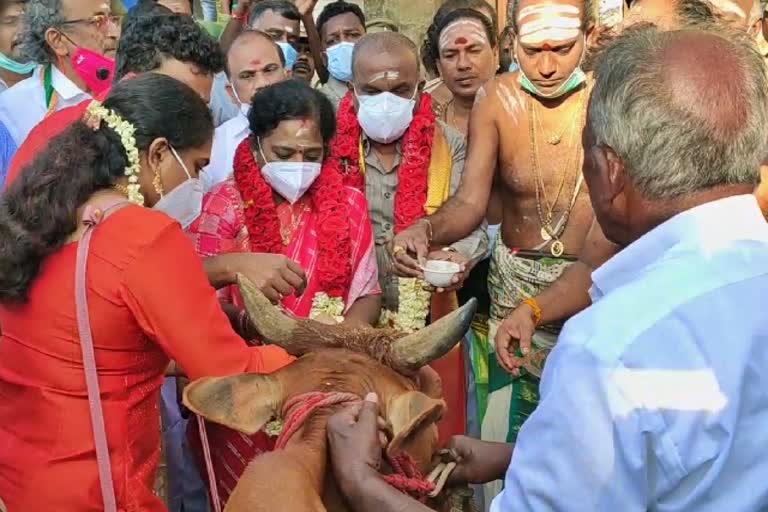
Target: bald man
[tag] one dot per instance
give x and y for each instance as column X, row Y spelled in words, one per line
column 411, row 163
column 254, row 61
column 669, row 14
column 654, row 398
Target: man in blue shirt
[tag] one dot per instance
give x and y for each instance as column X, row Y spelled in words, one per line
column 654, row 398
column 7, row 150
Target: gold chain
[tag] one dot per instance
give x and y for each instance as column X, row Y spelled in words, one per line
column 287, row 232
column 547, row 231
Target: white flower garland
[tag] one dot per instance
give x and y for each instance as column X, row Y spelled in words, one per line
column 412, row 312
column 324, row 305
column 127, row 133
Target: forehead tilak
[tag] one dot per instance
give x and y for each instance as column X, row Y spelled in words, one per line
column 550, row 22
column 469, row 29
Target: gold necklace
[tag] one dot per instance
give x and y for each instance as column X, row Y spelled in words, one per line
column 548, row 232
column 556, row 138
column 286, row 232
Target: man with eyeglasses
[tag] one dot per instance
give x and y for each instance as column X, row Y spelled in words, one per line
column 69, row 38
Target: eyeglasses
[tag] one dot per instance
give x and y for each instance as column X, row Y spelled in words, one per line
column 99, row 21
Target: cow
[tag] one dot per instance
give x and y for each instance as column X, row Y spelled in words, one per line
column 330, row 359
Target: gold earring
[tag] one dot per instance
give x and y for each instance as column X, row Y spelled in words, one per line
column 158, row 183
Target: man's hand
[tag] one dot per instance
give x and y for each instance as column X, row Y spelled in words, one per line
column 275, row 275
column 410, row 242
column 477, row 462
column 458, row 280
column 306, row 7
column 356, row 440
column 244, row 7
column 516, row 331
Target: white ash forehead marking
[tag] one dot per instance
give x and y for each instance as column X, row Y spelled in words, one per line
column 475, row 32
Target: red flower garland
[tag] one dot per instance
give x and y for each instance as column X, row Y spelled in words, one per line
column 334, row 265
column 411, row 196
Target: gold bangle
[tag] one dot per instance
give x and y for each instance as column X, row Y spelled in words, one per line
column 429, row 228
column 534, row 305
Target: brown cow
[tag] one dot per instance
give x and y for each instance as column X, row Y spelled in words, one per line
column 331, row 358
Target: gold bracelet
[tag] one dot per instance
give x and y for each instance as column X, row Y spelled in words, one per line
column 534, row 305
column 429, row 228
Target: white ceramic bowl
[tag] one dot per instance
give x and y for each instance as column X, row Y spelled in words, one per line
column 439, row 273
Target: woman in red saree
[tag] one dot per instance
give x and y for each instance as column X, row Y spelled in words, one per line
column 283, row 200
column 148, row 299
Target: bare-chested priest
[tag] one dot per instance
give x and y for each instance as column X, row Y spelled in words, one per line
column 529, row 125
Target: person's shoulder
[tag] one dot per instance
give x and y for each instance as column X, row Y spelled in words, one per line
column 128, row 232
column 455, row 139
column 503, row 90
column 19, row 89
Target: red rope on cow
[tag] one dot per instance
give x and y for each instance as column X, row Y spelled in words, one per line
column 299, row 408
column 406, row 477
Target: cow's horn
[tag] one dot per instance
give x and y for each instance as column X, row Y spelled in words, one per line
column 273, row 325
column 434, row 341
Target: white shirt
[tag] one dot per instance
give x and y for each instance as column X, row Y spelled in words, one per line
column 225, row 141
column 656, row 397
column 23, row 106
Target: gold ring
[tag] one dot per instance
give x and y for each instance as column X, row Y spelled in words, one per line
column 396, row 250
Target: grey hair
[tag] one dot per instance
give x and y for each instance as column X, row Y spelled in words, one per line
column 39, row 16
column 587, row 14
column 672, row 144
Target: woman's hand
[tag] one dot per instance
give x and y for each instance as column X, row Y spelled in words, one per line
column 275, row 275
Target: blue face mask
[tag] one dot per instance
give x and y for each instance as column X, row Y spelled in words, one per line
column 13, row 66
column 340, row 61
column 290, row 54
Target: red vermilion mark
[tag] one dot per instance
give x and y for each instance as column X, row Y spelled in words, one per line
column 460, row 40
column 304, row 123
column 546, row 47
column 256, row 62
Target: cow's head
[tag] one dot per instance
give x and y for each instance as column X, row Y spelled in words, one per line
column 336, row 358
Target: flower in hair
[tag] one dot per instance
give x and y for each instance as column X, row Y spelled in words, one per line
column 127, row 133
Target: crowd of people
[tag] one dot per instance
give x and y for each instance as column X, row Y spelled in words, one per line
column 596, row 186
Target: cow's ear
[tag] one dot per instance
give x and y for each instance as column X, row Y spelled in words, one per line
column 243, row 402
column 409, row 413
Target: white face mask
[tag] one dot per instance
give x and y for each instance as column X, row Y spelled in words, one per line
column 185, row 202
column 290, row 179
column 245, row 108
column 385, row 117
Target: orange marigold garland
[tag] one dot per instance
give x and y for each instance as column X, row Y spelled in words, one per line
column 334, row 265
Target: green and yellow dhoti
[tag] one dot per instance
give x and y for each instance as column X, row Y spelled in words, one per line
column 512, row 279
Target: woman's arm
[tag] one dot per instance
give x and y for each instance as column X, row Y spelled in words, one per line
column 365, row 310
column 168, row 293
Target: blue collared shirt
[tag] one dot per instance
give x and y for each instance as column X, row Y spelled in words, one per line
column 7, row 150
column 656, row 397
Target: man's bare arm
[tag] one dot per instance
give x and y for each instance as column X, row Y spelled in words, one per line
column 373, row 493
column 463, row 212
column 567, row 296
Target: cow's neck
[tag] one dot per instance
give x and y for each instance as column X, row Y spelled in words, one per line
column 310, row 446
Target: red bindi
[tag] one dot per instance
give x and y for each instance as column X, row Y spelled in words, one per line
column 256, row 62
column 460, row 40
column 546, row 47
